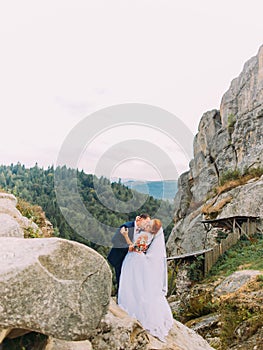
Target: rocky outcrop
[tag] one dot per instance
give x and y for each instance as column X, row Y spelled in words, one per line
column 52, row 286
column 227, row 140
column 12, row 222
column 189, row 235
column 211, row 138
column 236, row 303
column 243, row 103
column 119, row 331
column 235, row 281
column 246, row 200
column 9, row 227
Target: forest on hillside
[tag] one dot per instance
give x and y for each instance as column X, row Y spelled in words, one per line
column 36, row 185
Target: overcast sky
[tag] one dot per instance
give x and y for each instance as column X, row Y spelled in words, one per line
column 62, row 60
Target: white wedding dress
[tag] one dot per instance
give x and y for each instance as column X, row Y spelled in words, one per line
column 143, row 287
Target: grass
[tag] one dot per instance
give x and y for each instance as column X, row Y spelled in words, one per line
column 243, row 255
column 234, row 178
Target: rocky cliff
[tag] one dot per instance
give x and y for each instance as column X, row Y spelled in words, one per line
column 228, row 142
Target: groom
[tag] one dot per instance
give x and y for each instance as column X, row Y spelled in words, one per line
column 120, row 247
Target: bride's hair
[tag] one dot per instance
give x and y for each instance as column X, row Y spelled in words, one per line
column 156, row 225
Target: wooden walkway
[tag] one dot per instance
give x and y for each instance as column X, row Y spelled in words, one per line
column 187, row 255
column 238, row 225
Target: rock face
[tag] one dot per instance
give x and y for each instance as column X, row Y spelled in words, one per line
column 52, row 286
column 235, row 281
column 236, row 320
column 189, row 235
column 56, row 344
column 119, row 331
column 246, row 200
column 227, row 140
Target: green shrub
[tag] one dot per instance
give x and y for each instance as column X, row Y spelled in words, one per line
column 231, row 120
column 230, row 175
column 254, row 172
column 260, row 278
column 234, row 313
column 195, row 269
column 200, row 305
column 30, row 232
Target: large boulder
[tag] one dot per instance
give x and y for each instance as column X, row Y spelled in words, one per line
column 53, row 286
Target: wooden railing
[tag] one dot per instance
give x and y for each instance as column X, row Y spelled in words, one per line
column 212, row 256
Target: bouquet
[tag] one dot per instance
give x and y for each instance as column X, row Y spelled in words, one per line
column 140, row 245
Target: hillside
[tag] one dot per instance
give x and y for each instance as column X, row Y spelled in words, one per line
column 106, row 203
column 165, row 190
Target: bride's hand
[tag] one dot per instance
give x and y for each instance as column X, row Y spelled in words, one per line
column 131, row 248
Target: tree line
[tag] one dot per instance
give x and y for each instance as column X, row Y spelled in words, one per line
column 62, row 191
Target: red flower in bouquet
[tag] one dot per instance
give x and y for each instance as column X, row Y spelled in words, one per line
column 140, row 245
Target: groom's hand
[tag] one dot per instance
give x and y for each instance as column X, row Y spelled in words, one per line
column 124, row 231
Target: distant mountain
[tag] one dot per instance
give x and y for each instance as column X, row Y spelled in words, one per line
column 165, row 190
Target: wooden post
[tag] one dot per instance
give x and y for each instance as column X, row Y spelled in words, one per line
column 170, row 290
column 234, row 225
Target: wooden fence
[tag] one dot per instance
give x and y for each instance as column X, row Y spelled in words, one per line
column 240, row 226
column 212, row 256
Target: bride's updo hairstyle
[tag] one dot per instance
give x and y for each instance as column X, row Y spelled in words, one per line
column 156, row 225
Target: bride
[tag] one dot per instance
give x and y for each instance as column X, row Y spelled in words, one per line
column 143, row 281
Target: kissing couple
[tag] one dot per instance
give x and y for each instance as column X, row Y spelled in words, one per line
column 138, row 256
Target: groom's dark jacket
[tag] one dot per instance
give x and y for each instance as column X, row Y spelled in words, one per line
column 120, row 246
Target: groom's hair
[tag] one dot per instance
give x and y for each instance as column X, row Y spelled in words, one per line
column 144, row 216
